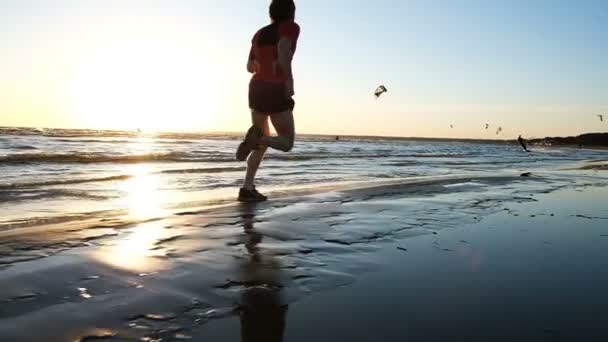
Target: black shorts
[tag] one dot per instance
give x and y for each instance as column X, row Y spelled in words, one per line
column 269, row 97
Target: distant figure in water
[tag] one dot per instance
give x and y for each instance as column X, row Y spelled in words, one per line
column 522, row 142
column 270, row 92
column 337, row 137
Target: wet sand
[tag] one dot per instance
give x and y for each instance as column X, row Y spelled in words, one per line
column 489, row 258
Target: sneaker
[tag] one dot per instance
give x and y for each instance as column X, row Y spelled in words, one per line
column 251, row 139
column 257, row 193
column 251, row 196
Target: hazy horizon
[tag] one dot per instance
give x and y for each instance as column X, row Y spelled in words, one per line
column 530, row 67
column 328, row 135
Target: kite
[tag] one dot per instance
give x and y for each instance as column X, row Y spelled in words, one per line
column 379, row 91
column 487, row 126
column 601, row 117
column 498, row 130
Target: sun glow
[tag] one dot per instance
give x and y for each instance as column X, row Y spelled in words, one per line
column 147, row 85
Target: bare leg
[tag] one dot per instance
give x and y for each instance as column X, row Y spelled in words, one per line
column 256, row 156
column 284, row 125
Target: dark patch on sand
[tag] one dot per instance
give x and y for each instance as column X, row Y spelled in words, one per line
column 169, row 239
column 100, row 335
column 188, row 213
column 590, row 217
column 302, row 276
column 26, row 296
column 339, row 242
column 247, row 283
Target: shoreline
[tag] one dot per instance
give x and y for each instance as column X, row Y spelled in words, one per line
column 118, row 220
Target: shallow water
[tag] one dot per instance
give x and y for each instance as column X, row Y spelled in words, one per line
column 63, row 175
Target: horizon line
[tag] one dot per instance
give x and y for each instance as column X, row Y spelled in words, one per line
column 301, row 134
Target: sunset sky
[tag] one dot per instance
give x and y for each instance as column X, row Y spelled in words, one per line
column 533, row 67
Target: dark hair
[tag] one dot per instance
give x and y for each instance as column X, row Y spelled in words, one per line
column 282, row 10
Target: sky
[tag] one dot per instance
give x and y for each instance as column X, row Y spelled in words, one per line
column 537, row 68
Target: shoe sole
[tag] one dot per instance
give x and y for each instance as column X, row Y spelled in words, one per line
column 251, row 200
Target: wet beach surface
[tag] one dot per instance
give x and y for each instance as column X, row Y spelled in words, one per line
column 503, row 257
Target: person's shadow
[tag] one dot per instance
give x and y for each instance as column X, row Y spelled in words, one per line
column 263, row 311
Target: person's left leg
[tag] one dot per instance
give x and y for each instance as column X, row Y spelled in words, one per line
column 284, row 126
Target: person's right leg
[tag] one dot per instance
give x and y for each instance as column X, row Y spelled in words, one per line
column 284, row 126
column 256, row 156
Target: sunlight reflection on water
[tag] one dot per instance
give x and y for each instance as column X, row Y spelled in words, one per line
column 142, row 199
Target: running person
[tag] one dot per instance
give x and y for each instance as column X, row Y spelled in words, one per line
column 270, row 92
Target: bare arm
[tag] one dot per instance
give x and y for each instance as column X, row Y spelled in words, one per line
column 251, row 66
column 285, row 48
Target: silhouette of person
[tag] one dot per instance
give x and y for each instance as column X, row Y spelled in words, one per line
column 262, row 311
column 522, row 142
column 270, row 93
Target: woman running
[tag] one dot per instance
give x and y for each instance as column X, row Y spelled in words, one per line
column 270, row 92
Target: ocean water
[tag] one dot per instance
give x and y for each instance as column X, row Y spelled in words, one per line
column 51, row 176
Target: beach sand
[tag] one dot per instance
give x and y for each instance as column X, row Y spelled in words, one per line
column 489, row 258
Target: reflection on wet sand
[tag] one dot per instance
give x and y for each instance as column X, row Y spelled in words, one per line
column 263, row 310
column 137, row 251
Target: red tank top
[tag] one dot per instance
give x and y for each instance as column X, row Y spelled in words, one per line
column 264, row 50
